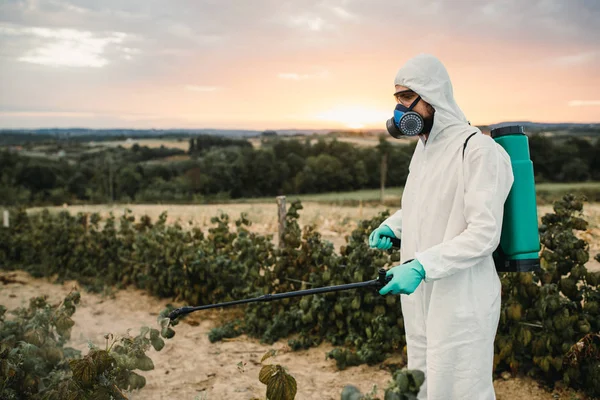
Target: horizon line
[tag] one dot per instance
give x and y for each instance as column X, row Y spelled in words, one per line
column 272, row 129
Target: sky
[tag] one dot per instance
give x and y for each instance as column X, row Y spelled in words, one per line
column 277, row 64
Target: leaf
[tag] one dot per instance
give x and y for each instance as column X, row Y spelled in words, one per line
column 68, row 390
column 34, row 337
column 102, row 361
column 71, row 353
column 351, row 393
column 266, row 372
column 144, row 363
column 125, row 361
column 167, row 333
column 144, row 330
column 154, row 333
column 53, row 354
column 418, row 377
column 241, row 366
column 525, row 336
column 164, row 323
column 157, row 342
column 83, row 370
column 282, row 386
column 402, row 382
column 63, row 325
column 268, row 354
column 136, row 381
column 101, row 393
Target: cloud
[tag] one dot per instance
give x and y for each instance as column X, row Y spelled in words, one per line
column 62, row 47
column 196, row 88
column 129, row 52
column 298, row 77
column 584, row 103
column 311, row 23
column 184, row 31
column 149, row 51
column 343, row 13
column 576, row 59
column 71, row 7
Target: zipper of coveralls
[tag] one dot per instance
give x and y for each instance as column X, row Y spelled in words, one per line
column 421, row 176
column 418, row 197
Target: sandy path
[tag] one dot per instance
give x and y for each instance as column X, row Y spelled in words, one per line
column 191, row 367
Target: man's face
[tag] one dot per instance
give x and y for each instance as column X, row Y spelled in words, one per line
column 407, row 97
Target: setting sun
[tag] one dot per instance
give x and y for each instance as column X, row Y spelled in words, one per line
column 356, row 117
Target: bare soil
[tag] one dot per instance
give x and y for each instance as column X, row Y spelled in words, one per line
column 190, row 367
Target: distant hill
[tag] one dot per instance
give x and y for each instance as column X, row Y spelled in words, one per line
column 543, row 125
column 530, row 127
column 131, row 132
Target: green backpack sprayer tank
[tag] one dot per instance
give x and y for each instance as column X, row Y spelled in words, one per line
column 519, row 246
column 520, row 241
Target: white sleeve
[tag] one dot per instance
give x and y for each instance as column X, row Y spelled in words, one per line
column 394, row 222
column 488, row 180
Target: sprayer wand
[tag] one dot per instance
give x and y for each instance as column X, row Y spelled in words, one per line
column 380, row 282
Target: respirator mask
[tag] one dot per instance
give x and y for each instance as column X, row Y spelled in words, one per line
column 407, row 122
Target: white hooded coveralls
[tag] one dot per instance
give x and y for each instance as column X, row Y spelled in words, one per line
column 450, row 221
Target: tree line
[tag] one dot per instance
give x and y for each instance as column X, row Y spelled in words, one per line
column 223, row 168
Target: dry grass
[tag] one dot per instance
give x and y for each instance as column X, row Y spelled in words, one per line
column 332, row 221
column 151, row 143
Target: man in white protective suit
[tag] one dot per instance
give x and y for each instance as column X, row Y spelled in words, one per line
column 449, row 225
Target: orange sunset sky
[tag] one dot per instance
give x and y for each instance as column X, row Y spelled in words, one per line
column 275, row 64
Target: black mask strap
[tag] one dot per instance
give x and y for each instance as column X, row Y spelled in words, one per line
column 414, row 103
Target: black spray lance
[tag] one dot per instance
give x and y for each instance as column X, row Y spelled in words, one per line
column 378, row 283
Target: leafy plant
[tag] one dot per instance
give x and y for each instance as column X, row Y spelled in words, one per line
column 34, row 364
column 280, row 384
column 405, row 385
column 229, row 330
column 584, row 356
column 32, row 352
column 546, row 313
column 543, row 314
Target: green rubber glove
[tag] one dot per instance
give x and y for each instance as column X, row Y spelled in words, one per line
column 376, row 239
column 405, row 278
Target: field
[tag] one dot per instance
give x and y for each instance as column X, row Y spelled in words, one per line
column 357, row 140
column 181, row 144
column 334, row 222
column 546, row 193
column 190, row 367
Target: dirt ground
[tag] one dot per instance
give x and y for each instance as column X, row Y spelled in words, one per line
column 189, row 367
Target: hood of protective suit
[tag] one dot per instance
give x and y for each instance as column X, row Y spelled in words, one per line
column 427, row 76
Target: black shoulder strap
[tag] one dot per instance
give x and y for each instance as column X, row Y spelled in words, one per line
column 467, row 141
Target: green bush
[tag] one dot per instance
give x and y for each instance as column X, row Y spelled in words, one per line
column 543, row 318
column 34, row 364
column 545, row 314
